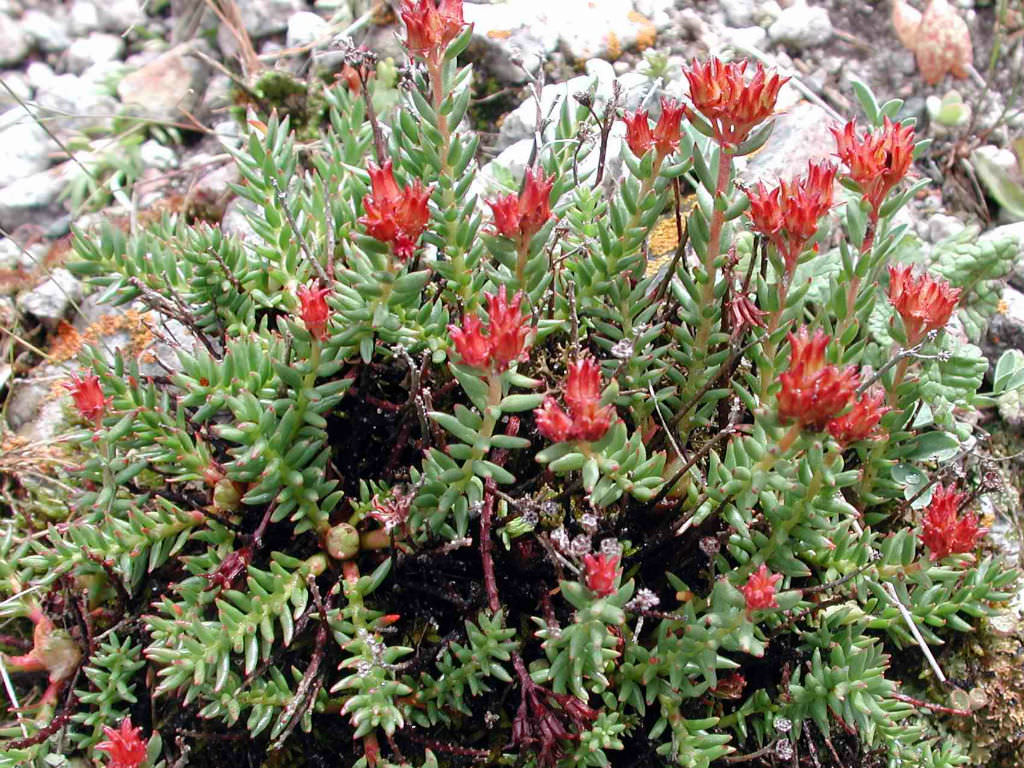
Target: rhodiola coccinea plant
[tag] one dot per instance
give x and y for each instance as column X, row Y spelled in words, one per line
column 457, row 475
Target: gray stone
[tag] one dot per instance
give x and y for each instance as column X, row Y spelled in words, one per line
column 753, row 38
column 48, row 31
column 801, row 26
column 236, row 221
column 76, row 104
column 24, row 147
column 33, row 196
column 14, row 256
column 305, row 28
column 800, row 135
column 739, row 13
column 157, row 155
column 211, row 187
column 97, row 48
column 50, row 300
column 18, row 82
column 14, row 43
column 1006, row 330
column 33, row 409
column 85, row 18
column 118, row 15
column 263, row 17
column 942, row 226
column 39, row 74
column 170, row 83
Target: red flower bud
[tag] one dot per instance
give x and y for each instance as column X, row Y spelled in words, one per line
column 88, row 396
column 394, row 215
column 878, row 160
column 638, row 132
column 944, row 533
column 314, row 310
column 429, row 28
column 521, row 217
column 732, row 105
column 506, row 341
column 553, row 422
column 666, row 132
column 862, row 420
column 125, row 745
column 813, row 393
column 760, row 589
column 601, row 573
column 506, row 215
column 923, row 302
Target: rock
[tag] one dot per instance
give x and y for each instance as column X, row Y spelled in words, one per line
column 754, row 38
column 236, row 221
column 942, row 226
column 305, row 28
column 211, row 188
column 85, row 18
column 77, row 104
column 14, row 256
column 35, row 407
column 14, row 42
column 530, row 30
column 47, row 31
column 1006, row 330
column 38, row 74
column 118, row 15
column 261, row 18
column 156, row 155
column 33, row 196
column 24, row 147
column 95, row 49
column 19, row 83
column 739, row 13
column 49, row 301
column 801, row 135
column 801, row 26
column 520, row 123
column 170, row 83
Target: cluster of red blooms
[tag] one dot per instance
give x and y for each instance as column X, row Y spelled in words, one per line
column 944, row 533
column 431, row 27
column 125, row 745
column 862, row 420
column 600, row 573
column 520, row 217
column 760, row 589
column 788, row 214
column 506, row 339
column 313, row 310
column 88, row 396
column 732, row 105
column 393, row 215
column 586, row 419
column 923, row 302
column 812, row 392
column 665, row 136
column 877, row 161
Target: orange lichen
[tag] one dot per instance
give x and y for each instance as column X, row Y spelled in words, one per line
column 646, row 33
column 613, row 46
column 499, row 34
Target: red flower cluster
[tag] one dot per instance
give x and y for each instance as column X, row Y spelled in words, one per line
column 788, row 214
column 944, row 533
column 878, row 160
column 862, row 420
column 813, row 393
column 588, row 420
column 520, row 217
column 733, row 106
column 664, row 137
column 393, row 215
column 507, row 337
column 125, row 745
column 88, row 396
column 430, row 28
column 313, row 310
column 601, row 572
column 923, row 302
column 760, row 589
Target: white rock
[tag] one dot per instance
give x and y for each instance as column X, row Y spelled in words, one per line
column 85, row 17
column 305, row 28
column 942, row 226
column 739, row 13
column 264, row 17
column 97, row 48
column 156, row 155
column 800, row 135
column 755, row 38
column 39, row 74
column 14, row 256
column 48, row 31
column 118, row 15
column 76, row 104
column 24, row 147
column 49, row 301
column 14, row 42
column 28, row 197
column 17, row 82
column 801, row 26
